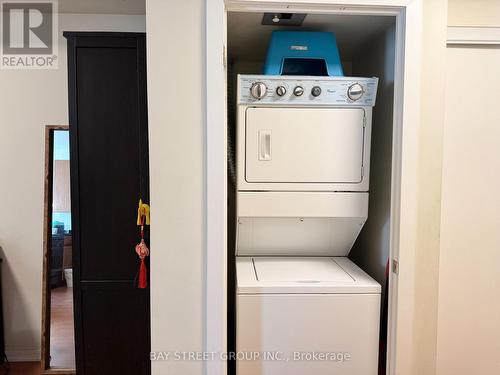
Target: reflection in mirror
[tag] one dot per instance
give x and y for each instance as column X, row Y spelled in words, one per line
column 58, row 344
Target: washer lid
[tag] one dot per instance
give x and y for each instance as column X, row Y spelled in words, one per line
column 302, row 275
column 302, row 270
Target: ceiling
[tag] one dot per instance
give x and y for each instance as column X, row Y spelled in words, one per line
column 248, row 39
column 103, row 6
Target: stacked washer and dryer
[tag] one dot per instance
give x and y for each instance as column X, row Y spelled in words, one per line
column 303, row 163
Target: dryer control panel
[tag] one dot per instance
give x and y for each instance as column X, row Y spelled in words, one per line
column 297, row 90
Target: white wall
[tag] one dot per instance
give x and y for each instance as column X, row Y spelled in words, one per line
column 479, row 13
column 29, row 100
column 426, row 263
column 469, row 276
column 175, row 43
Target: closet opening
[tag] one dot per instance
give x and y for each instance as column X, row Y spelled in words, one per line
column 367, row 47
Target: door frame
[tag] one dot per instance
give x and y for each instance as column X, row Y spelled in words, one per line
column 404, row 188
column 47, row 236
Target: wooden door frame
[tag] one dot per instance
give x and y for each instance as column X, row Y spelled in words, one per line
column 404, row 187
column 47, row 235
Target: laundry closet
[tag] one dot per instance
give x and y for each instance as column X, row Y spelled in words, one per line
column 310, row 157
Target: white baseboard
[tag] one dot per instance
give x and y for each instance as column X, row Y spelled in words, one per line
column 23, row 355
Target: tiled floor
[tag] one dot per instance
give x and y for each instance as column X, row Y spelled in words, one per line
column 62, row 340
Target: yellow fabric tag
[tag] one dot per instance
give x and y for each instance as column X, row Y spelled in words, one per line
column 143, row 211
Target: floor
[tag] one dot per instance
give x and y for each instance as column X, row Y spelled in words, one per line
column 62, row 340
column 61, row 336
column 21, row 368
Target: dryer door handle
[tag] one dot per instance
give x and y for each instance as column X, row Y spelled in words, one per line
column 265, row 145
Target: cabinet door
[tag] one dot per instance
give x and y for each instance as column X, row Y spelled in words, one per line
column 304, row 145
column 109, row 173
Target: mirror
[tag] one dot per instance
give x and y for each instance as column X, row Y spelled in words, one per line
column 58, row 344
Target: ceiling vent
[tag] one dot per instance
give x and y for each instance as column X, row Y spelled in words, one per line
column 283, row 19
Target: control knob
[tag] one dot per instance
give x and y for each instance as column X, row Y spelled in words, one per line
column 258, row 90
column 316, row 91
column 355, row 91
column 298, row 91
column 281, row 90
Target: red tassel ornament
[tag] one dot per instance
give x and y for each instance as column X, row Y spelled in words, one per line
column 142, row 251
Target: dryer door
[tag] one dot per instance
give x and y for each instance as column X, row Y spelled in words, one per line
column 304, row 145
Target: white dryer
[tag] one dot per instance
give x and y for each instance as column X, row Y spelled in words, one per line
column 303, row 159
column 303, row 163
column 304, row 133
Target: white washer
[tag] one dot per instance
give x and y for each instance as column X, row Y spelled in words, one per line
column 292, row 308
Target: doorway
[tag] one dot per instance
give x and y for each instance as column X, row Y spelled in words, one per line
column 367, row 53
column 58, row 343
column 407, row 47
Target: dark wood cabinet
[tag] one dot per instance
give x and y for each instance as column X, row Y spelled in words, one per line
column 109, row 174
